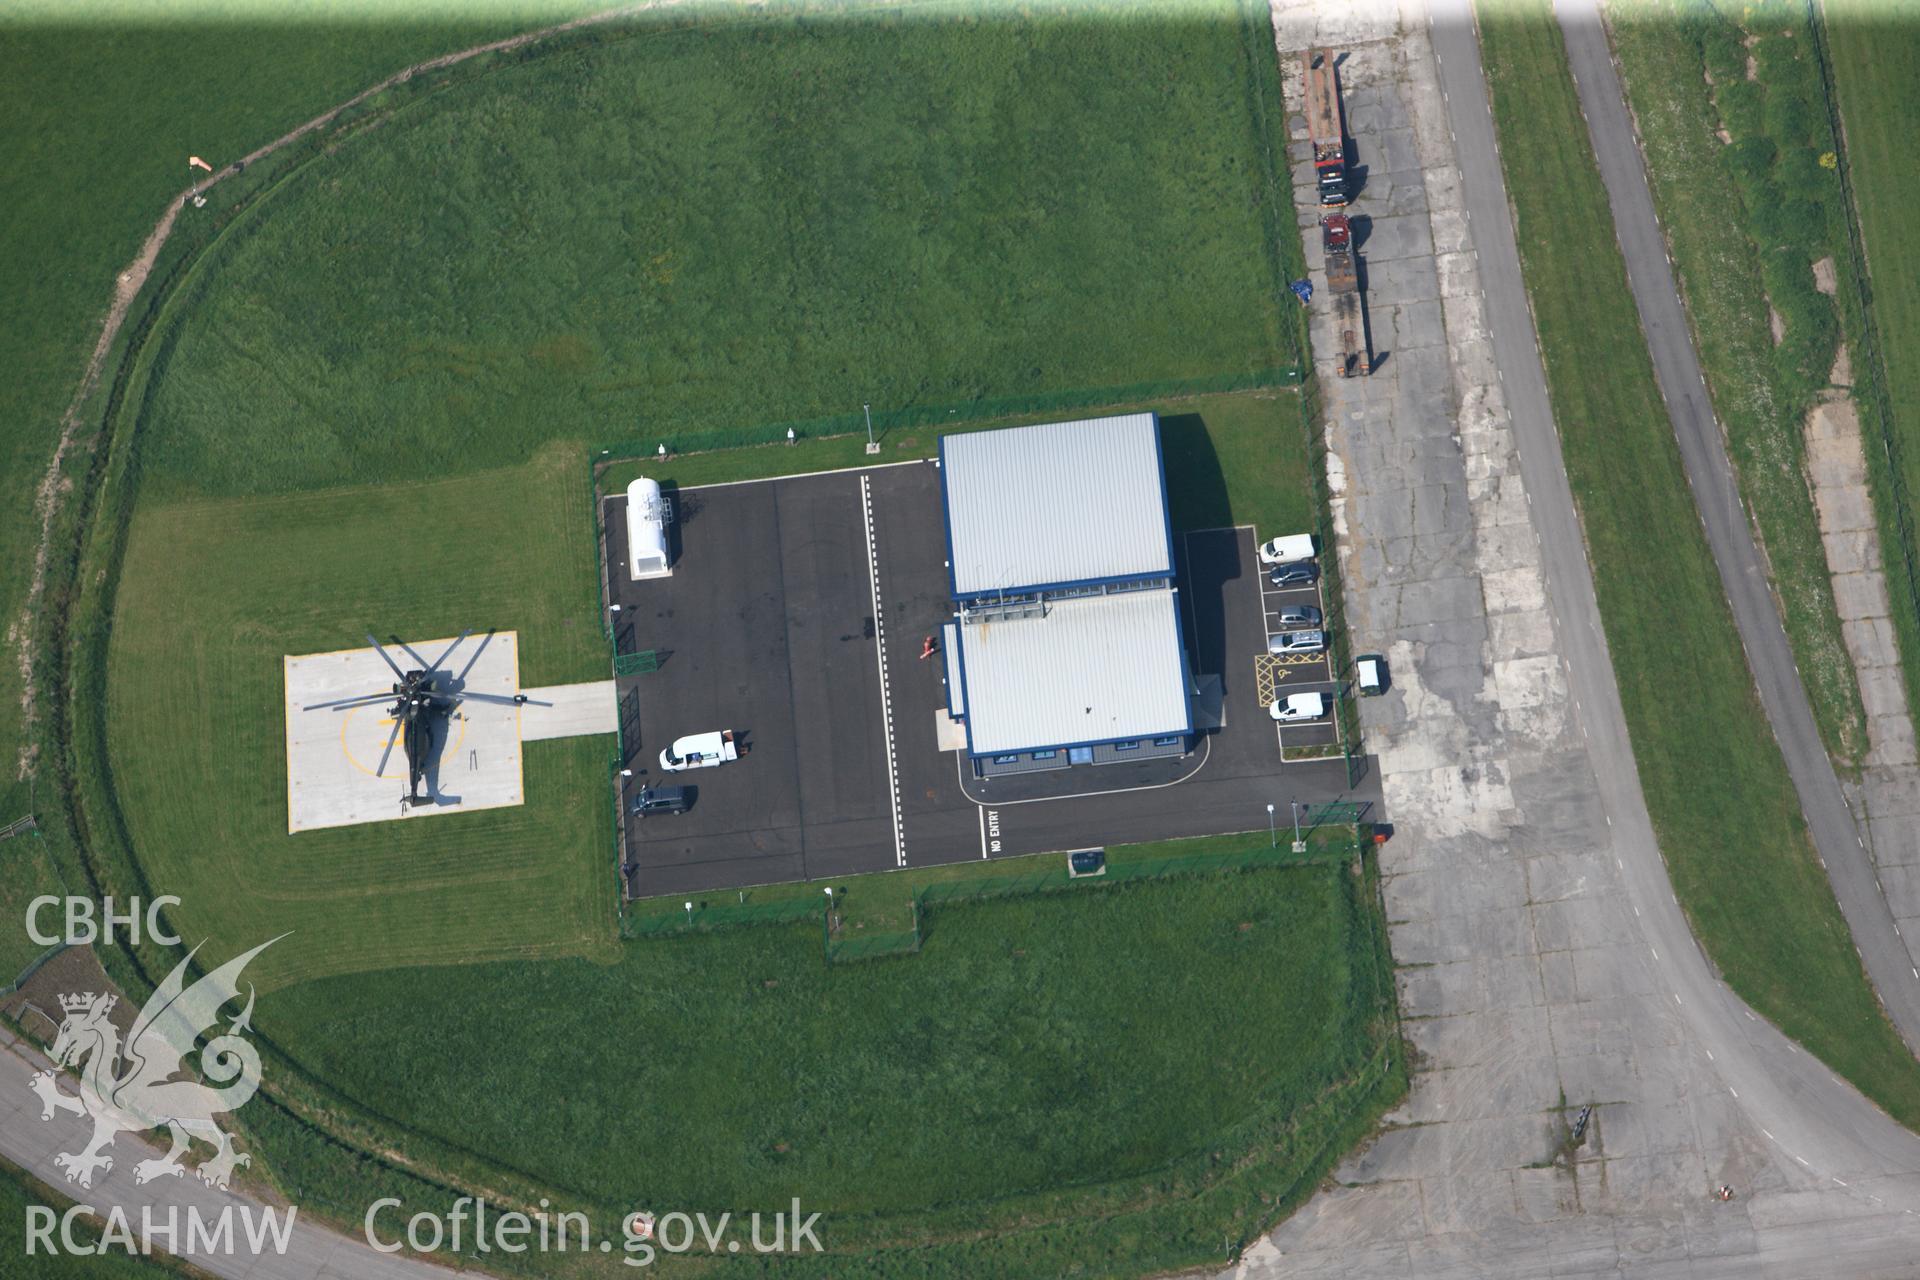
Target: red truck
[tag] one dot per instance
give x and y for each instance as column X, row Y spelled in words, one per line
column 1325, row 129
column 1343, row 282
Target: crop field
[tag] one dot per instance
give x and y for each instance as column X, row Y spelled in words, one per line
column 1738, row 246
column 67, row 94
column 1722, row 804
column 732, row 222
column 1875, row 52
column 215, row 592
column 1057, row 1098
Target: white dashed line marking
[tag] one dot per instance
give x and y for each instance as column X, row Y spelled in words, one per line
column 880, row 646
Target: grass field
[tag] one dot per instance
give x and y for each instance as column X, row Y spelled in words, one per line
column 27, row 871
column 1683, row 62
column 931, row 221
column 1231, row 458
column 215, row 592
column 331, row 337
column 1061, row 1087
column 17, row 1191
column 1875, row 52
column 370, row 406
column 1724, row 809
column 103, row 117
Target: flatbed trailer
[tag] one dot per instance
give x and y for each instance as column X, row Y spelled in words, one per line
column 1343, row 283
column 1325, row 128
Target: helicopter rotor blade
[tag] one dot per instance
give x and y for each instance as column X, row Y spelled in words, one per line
column 504, row 701
column 384, row 656
column 381, row 770
column 449, row 653
column 411, row 653
column 484, row 642
column 365, row 699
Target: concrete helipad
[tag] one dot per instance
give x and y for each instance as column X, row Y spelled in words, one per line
column 334, row 774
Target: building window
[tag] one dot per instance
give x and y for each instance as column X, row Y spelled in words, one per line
column 1127, row 746
column 1006, row 759
column 1045, row 755
column 1167, row 742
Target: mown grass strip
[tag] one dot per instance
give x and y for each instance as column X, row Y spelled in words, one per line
column 1017, row 1100
column 1723, row 807
column 1684, row 65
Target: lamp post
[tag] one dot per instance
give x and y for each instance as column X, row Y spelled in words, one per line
column 873, row 446
column 1299, row 845
column 1273, row 836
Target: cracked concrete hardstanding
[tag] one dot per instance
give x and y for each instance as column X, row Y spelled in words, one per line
column 1527, row 976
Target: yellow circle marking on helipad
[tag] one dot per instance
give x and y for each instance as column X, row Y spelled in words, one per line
column 385, row 722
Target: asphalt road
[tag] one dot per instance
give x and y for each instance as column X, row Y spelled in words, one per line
column 1703, row 451
column 1815, row 1118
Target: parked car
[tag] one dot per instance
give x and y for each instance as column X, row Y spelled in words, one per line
column 1298, row 706
column 1296, row 616
column 1298, row 546
column 1296, row 573
column 1087, row 862
column 1297, row 642
column 1370, row 674
column 652, row 800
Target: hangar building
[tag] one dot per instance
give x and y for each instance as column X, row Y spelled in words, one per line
column 1065, row 647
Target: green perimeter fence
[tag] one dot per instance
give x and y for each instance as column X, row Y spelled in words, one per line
column 625, row 655
column 1869, row 375
column 1332, row 598
column 841, row 944
column 981, row 409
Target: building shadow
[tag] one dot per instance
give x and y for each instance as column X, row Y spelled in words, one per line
column 1196, row 486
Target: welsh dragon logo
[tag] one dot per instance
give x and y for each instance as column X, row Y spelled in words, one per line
column 143, row 1084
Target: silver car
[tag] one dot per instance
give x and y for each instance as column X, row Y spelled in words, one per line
column 1295, row 617
column 1297, row 642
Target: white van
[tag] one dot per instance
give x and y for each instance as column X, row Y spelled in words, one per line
column 1370, row 674
column 1298, row 706
column 648, row 514
column 1297, row 546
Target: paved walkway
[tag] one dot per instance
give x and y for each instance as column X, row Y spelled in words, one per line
column 1543, row 961
column 568, row 710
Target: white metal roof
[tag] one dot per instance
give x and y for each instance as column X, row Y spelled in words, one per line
column 1055, row 503
column 1094, row 669
column 950, row 652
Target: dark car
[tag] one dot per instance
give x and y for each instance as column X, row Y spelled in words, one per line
column 1087, row 862
column 1298, row 573
column 652, row 800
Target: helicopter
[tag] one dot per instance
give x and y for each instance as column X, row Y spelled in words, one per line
column 420, row 704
